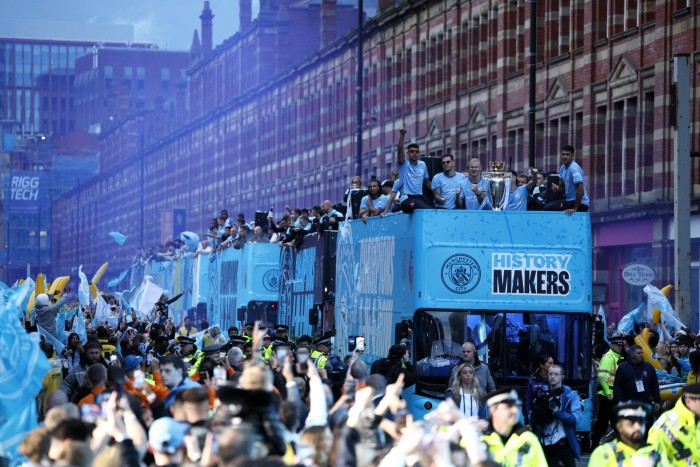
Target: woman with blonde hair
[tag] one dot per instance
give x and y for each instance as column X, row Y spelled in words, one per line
column 467, row 394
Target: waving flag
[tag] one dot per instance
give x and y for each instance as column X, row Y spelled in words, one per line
column 79, row 327
column 83, row 288
column 104, row 314
column 22, row 367
column 61, row 325
column 637, row 315
column 118, row 237
column 13, row 432
column 115, row 282
column 57, row 345
column 668, row 314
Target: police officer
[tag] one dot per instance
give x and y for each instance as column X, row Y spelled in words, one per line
column 676, row 434
column 508, row 442
column 629, row 444
column 606, row 381
column 282, row 334
column 320, row 354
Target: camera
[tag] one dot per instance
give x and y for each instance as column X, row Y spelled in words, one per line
column 546, row 403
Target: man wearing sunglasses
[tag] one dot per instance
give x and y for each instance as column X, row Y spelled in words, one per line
column 446, row 185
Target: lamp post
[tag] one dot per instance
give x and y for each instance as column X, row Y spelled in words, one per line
column 358, row 87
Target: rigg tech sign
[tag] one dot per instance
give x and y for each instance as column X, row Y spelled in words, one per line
column 24, row 188
column 530, row 274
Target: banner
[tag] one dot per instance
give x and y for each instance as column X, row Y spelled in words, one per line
column 25, row 191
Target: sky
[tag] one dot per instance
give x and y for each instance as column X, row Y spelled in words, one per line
column 167, row 23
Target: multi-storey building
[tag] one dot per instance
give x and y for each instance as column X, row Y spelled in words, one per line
column 456, row 74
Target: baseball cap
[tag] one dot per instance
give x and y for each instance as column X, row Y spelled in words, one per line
column 167, row 435
column 131, row 362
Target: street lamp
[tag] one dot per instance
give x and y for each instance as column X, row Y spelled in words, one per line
column 142, row 173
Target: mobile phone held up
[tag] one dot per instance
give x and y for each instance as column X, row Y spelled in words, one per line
column 360, row 343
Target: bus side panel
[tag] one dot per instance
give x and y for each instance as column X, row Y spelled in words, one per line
column 508, row 261
column 296, row 295
column 225, row 274
column 260, row 278
column 200, row 293
column 374, row 282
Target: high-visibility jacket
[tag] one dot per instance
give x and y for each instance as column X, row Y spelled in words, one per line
column 676, row 435
column 618, row 454
column 606, row 372
column 195, row 360
column 319, row 358
column 522, row 449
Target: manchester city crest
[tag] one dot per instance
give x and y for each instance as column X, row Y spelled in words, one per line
column 460, row 273
column 271, row 280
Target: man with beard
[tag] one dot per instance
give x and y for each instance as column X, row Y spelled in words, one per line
column 629, row 444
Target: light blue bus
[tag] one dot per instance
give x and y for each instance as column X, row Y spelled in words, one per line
column 517, row 284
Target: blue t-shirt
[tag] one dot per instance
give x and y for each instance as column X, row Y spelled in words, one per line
column 469, row 198
column 571, row 176
column 448, row 186
column 379, row 203
column 413, row 176
column 517, row 200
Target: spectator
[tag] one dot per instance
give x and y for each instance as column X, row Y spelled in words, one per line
column 395, row 363
column 174, row 377
column 467, row 394
column 187, row 329
column 45, row 312
column 446, row 185
column 571, row 183
column 473, row 188
column 165, row 438
column 481, row 370
column 76, row 375
column 606, row 380
column 414, row 174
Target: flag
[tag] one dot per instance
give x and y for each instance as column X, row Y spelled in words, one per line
column 14, row 430
column 626, row 324
column 22, row 368
column 668, row 314
column 79, row 327
column 150, row 295
column 57, row 345
column 104, row 314
column 72, row 313
column 61, row 325
column 83, row 288
column 118, row 237
column 115, row 282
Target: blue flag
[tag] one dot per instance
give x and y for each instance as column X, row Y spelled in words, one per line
column 118, row 237
column 79, row 327
column 57, row 345
column 61, row 325
column 115, row 282
column 84, row 288
column 72, row 313
column 22, row 368
column 13, row 431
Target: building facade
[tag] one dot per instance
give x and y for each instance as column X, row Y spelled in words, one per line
column 456, row 74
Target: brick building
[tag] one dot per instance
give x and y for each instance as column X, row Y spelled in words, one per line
column 456, row 75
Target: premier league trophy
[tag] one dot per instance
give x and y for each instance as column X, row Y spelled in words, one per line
column 499, row 185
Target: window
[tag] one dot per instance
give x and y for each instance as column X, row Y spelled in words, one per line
column 509, row 342
column 109, row 72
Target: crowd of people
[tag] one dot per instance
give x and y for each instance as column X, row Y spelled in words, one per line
column 148, row 391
